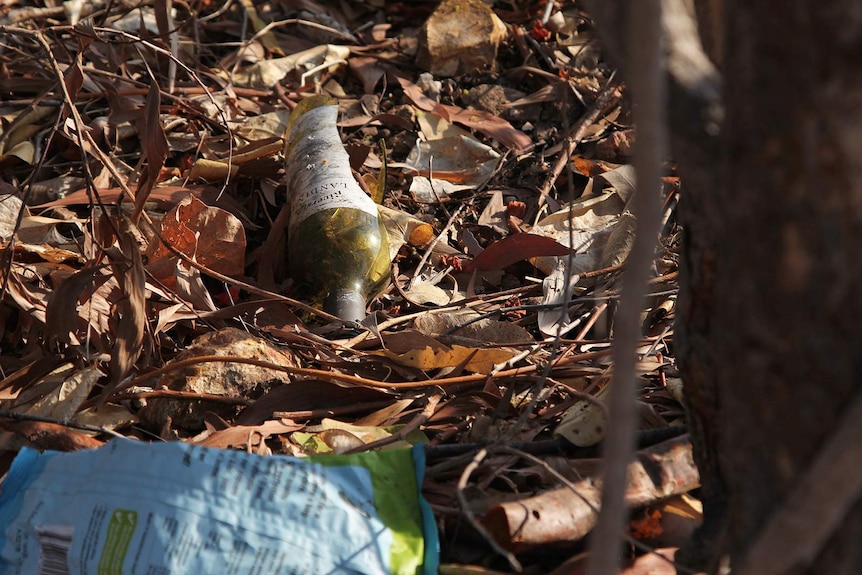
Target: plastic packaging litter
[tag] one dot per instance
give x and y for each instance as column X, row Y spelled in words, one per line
column 175, row 508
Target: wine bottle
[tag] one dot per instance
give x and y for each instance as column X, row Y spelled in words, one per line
column 338, row 248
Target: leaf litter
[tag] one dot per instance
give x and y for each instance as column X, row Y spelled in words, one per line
column 144, row 290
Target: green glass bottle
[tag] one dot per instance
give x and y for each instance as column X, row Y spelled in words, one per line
column 337, row 245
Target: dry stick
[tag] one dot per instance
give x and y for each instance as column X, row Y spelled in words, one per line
column 597, row 313
column 437, row 240
column 815, row 507
column 471, row 517
column 331, row 411
column 574, row 488
column 178, row 394
column 577, row 133
column 619, row 447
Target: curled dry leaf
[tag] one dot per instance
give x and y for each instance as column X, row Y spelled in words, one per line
column 248, row 435
column 130, row 314
column 211, row 170
column 10, row 207
column 555, row 291
column 155, row 147
column 56, row 395
column 404, row 229
column 51, row 436
column 266, row 73
column 461, row 161
column 586, row 224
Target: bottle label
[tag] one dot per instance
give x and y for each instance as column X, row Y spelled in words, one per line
column 319, row 175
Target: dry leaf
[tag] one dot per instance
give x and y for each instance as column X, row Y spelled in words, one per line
column 466, row 325
column 479, row 120
column 155, row 148
column 248, row 435
column 586, row 224
column 478, row 360
column 555, row 290
column 209, row 235
column 585, row 423
column 52, row 436
column 513, row 249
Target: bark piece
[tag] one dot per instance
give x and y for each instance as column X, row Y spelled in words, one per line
column 559, row 515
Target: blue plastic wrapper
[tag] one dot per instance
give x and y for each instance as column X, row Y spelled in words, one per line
column 174, row 508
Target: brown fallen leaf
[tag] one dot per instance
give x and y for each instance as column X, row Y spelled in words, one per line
column 52, row 436
column 477, row 360
column 155, row 148
column 515, row 248
column 210, row 235
column 485, row 122
column 248, row 435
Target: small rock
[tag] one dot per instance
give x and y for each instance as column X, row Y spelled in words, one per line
column 215, row 377
column 460, row 36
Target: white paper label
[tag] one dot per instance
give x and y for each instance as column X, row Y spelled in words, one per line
column 318, row 168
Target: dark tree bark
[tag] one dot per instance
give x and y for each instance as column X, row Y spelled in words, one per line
column 783, row 310
column 770, row 311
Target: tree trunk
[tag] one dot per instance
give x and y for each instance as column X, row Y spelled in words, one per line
column 768, row 331
column 774, row 267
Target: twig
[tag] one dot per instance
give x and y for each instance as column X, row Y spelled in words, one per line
column 576, row 134
column 178, row 394
column 356, row 380
column 303, row 414
column 648, row 89
column 471, row 517
column 442, row 233
column 597, row 313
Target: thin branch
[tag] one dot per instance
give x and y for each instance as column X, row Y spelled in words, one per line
column 619, row 448
column 577, row 132
column 356, row 380
column 471, row 517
